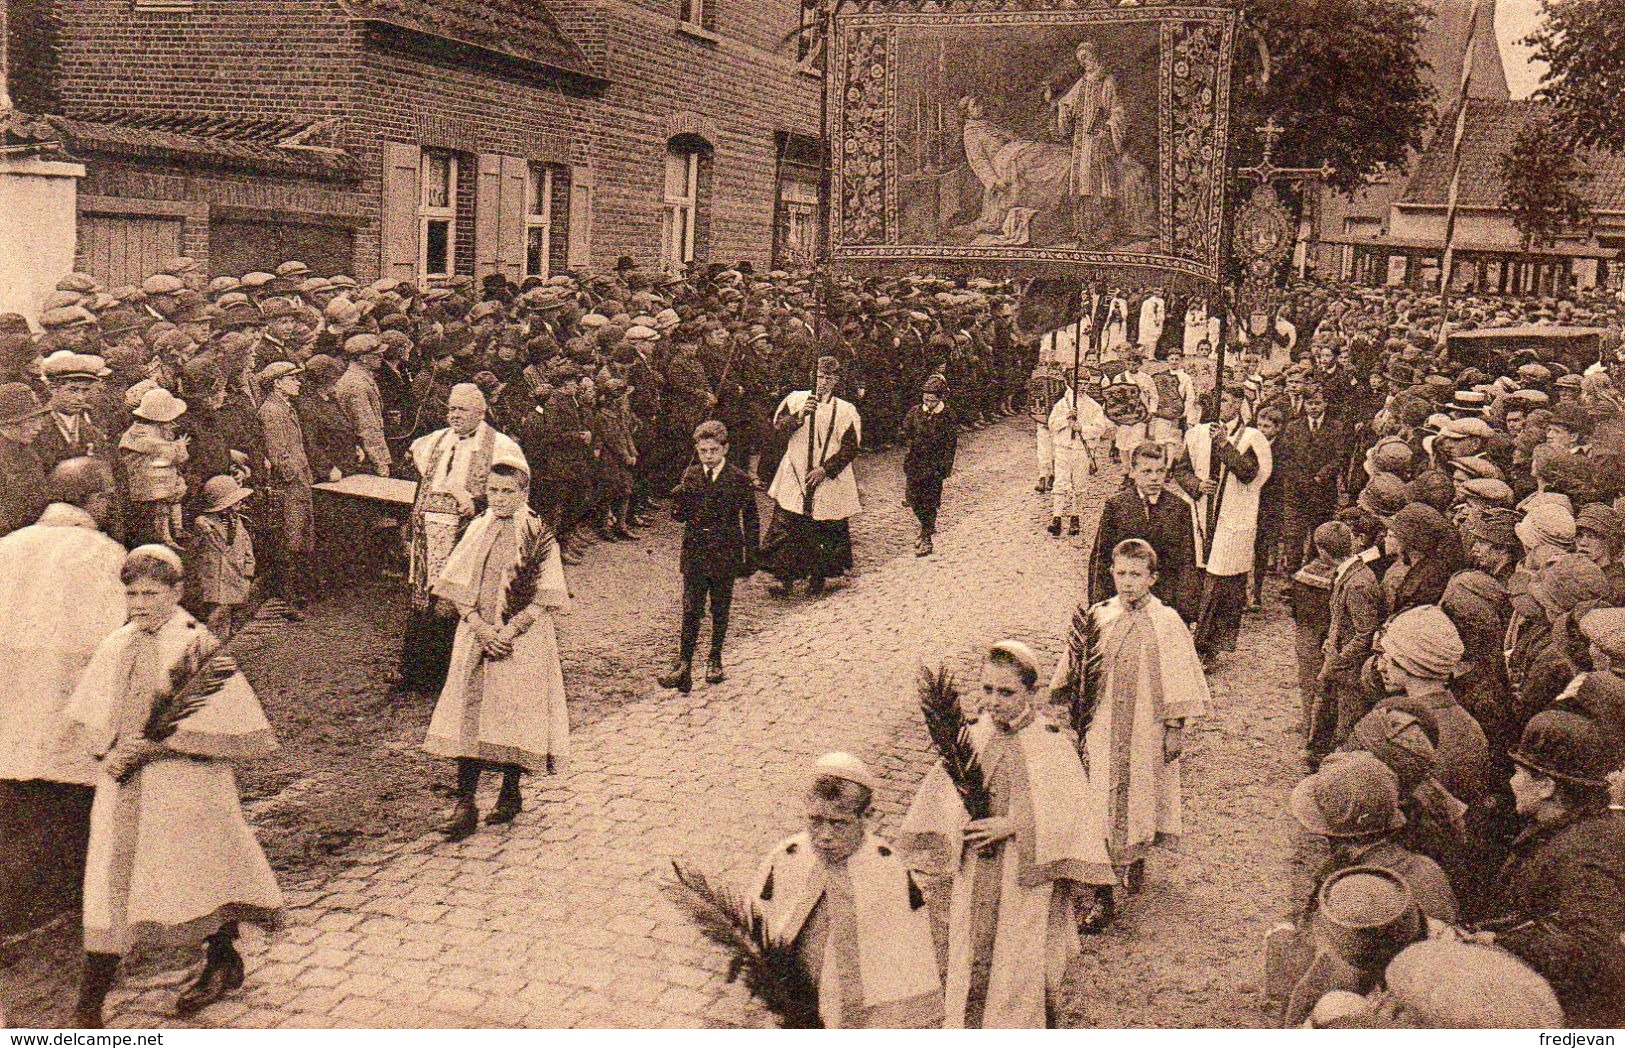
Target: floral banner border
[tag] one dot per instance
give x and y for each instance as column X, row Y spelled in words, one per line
column 1196, row 49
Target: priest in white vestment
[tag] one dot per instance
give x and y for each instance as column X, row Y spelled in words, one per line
column 815, row 492
column 452, row 466
column 59, row 598
column 1229, row 464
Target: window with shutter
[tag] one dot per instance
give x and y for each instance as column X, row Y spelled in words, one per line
column 682, row 202
column 398, row 254
column 488, row 215
column 580, row 239
column 437, row 213
column 538, row 220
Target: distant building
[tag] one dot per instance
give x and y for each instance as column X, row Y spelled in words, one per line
column 426, row 138
column 1338, row 220
column 1490, row 256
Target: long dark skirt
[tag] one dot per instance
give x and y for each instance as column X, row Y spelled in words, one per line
column 426, row 651
column 798, row 547
column 1224, row 598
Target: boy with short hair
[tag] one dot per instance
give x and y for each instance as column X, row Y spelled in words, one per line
column 717, row 503
column 932, row 440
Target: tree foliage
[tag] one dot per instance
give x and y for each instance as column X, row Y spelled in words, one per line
column 1347, row 82
column 1582, row 43
column 1542, row 176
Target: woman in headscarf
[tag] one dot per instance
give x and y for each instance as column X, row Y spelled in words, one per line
column 1427, row 553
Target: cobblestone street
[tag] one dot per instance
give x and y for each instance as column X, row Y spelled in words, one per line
column 558, row 920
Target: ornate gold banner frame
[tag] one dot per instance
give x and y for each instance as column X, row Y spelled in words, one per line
column 1069, row 139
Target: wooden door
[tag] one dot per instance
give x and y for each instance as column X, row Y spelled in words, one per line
column 126, row 249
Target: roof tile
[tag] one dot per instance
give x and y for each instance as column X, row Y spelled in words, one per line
column 1491, row 129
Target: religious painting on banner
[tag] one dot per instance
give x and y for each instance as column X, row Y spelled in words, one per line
column 1058, row 139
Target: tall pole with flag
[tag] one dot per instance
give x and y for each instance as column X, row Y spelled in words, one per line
column 1448, row 260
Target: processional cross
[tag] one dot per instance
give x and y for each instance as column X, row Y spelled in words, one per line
column 1263, row 229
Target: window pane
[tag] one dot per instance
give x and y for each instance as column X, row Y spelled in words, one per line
column 437, row 190
column 437, row 247
column 676, row 175
column 536, row 251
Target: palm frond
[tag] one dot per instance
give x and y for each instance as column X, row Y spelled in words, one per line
column 195, row 679
column 527, row 573
column 771, row 970
column 1088, row 673
column 945, row 722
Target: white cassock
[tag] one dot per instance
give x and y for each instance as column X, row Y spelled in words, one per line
column 862, row 929
column 1012, row 926
column 1153, row 314
column 171, row 857
column 512, row 710
column 60, row 597
column 834, row 425
column 1230, row 548
column 1151, row 674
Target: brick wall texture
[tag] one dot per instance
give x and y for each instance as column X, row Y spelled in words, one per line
column 307, row 60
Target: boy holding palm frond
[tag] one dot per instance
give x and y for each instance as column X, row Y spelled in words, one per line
column 840, row 895
column 503, row 705
column 1133, row 680
column 171, row 859
column 1012, row 927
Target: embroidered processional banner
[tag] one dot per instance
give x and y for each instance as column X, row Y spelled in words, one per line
column 1039, row 136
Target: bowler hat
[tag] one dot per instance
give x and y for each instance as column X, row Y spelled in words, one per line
column 1567, row 746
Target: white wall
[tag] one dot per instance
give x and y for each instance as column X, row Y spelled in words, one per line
column 38, row 230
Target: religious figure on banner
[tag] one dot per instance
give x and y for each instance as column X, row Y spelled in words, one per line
column 1092, row 115
column 999, row 133
column 1019, row 177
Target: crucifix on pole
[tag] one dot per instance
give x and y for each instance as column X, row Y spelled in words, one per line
column 1261, row 235
column 1263, row 231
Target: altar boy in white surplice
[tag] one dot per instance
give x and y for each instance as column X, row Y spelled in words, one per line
column 1150, row 687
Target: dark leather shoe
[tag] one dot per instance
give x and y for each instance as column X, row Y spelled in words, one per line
column 222, row 974
column 713, row 672
column 1074, row 527
column 463, row 822
column 680, row 676
column 1099, row 917
column 1054, row 527
column 620, row 532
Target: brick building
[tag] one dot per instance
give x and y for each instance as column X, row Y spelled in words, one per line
column 423, row 138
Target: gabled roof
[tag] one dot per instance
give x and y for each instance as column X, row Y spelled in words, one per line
column 268, row 146
column 524, row 30
column 1490, row 130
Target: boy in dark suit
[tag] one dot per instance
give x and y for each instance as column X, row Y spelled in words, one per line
column 932, row 439
column 717, row 502
column 1148, row 507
